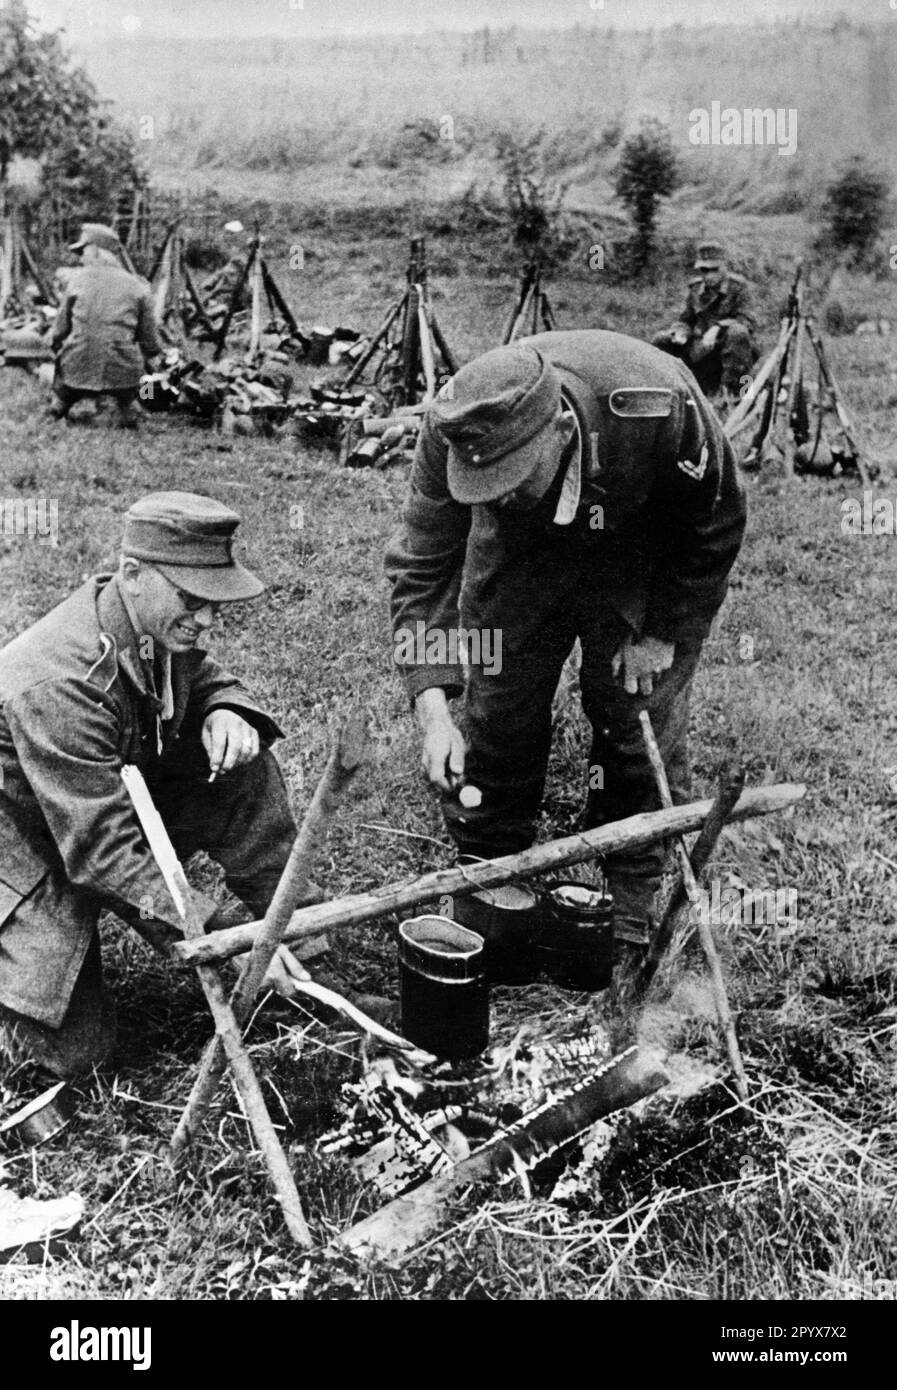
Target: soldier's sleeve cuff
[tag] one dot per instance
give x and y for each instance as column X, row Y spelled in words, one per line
column 447, row 678
column 268, row 728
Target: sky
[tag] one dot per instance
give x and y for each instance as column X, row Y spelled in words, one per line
column 94, row 21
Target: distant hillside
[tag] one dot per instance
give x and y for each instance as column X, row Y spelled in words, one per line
column 308, row 107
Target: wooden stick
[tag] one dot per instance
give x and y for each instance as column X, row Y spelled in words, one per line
column 225, row 1023
column 363, row 1021
column 718, row 984
column 406, row 1221
column 729, row 789
column 633, row 833
column 349, row 753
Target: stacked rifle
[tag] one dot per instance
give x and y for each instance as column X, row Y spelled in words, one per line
column 787, row 416
column 410, row 361
column 532, row 306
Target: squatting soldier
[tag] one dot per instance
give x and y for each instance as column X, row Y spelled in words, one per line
column 105, row 332
column 115, row 675
column 715, row 332
column 573, row 485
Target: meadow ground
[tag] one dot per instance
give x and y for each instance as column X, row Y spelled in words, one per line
column 793, row 1197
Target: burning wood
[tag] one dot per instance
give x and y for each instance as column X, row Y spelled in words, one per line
column 397, row 1228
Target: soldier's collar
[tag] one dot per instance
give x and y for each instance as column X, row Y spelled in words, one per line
column 571, row 488
column 116, row 623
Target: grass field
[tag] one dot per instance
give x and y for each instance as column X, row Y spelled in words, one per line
column 342, row 118
column 793, row 1197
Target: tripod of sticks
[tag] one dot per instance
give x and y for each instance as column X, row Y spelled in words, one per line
column 531, row 306
column 775, row 405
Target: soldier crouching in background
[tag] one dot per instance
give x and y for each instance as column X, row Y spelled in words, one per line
column 105, row 333
column 714, row 333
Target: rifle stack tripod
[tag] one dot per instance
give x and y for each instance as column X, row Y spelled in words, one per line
column 776, row 403
column 257, row 274
column 415, row 358
column 532, row 305
column 413, row 361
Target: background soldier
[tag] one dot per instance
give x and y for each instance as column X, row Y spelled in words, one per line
column 574, row 485
column 715, row 331
column 105, row 332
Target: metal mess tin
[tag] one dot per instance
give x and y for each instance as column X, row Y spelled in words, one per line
column 443, row 994
column 42, row 1118
column 576, row 948
column 508, row 919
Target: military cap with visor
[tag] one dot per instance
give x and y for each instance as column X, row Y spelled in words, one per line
column 190, row 540
column 498, row 419
column 96, row 234
column 710, row 255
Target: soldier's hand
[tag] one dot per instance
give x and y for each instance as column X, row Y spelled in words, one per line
column 637, row 663
column 228, row 740
column 283, row 972
column 444, row 749
column 709, row 339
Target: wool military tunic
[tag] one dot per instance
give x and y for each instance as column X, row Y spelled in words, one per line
column 704, row 309
column 76, row 703
column 660, row 519
column 105, row 329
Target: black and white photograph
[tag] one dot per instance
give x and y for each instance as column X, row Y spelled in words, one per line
column 448, row 731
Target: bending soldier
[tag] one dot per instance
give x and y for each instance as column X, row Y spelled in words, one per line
column 573, row 485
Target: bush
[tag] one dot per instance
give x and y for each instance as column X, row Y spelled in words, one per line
column 854, row 211
column 648, row 171
column 50, row 111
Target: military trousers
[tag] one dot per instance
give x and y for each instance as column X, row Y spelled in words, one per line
column 726, row 364
column 507, row 721
column 242, row 821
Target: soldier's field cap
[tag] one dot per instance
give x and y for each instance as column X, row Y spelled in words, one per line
column 96, row 234
column 496, row 419
column 710, row 256
column 191, row 540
